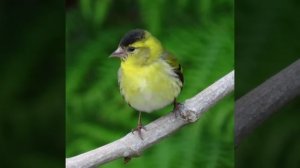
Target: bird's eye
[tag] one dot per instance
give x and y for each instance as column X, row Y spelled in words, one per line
column 130, row 49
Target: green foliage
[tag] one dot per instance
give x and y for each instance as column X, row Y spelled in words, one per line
column 275, row 143
column 32, row 85
column 95, row 10
column 267, row 43
column 96, row 112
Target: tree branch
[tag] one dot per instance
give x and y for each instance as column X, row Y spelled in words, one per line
column 131, row 145
column 257, row 105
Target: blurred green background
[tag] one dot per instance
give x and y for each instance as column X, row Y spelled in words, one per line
column 199, row 32
column 266, row 41
column 32, row 87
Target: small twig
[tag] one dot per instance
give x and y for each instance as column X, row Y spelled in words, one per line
column 131, row 145
column 257, row 105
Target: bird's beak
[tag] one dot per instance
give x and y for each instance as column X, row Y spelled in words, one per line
column 118, row 53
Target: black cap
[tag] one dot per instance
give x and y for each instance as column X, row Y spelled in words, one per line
column 132, row 36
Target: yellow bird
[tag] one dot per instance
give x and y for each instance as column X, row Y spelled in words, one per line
column 150, row 78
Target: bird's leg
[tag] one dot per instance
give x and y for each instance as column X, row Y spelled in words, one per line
column 139, row 126
column 139, row 130
column 176, row 107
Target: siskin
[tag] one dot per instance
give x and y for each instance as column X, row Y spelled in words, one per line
column 149, row 77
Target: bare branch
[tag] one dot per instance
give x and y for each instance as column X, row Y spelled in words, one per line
column 131, row 145
column 257, row 105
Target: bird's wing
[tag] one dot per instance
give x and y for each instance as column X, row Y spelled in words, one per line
column 172, row 61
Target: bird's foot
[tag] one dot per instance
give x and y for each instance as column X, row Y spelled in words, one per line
column 176, row 109
column 139, row 130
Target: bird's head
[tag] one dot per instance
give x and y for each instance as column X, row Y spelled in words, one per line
column 138, row 47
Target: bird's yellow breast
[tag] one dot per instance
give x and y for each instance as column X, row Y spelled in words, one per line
column 149, row 87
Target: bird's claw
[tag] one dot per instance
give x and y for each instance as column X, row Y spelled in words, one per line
column 176, row 109
column 139, row 130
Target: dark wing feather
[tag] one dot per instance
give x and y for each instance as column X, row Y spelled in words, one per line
column 172, row 61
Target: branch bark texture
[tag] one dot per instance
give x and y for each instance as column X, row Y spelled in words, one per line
column 131, row 145
column 257, row 105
